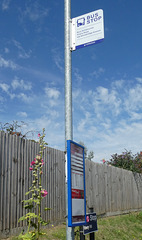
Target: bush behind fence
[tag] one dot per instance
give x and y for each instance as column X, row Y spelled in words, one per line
column 109, row 190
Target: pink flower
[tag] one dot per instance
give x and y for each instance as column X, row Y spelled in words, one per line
column 42, row 161
column 30, row 168
column 44, row 193
column 33, row 162
column 87, row 219
column 104, row 160
column 39, row 135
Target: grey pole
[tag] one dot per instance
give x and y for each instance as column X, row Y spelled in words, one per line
column 68, row 74
column 68, row 99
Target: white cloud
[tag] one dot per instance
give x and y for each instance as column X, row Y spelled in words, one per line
column 54, row 130
column 118, row 84
column 85, row 123
column 139, row 79
column 76, row 93
column 98, row 72
column 114, row 120
column 77, row 75
column 22, row 53
column 53, row 113
column 104, row 143
column 58, row 59
column 133, row 100
column 1, row 99
column 35, row 11
column 5, row 4
column 107, row 123
column 125, row 136
column 52, row 93
column 100, row 102
column 5, row 87
column 22, row 114
column 105, row 101
column 7, row 63
column 25, row 98
column 16, row 83
column 135, row 116
column 47, row 75
column 6, row 50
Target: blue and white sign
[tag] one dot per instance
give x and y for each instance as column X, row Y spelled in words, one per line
column 87, row 29
column 91, row 225
column 76, row 184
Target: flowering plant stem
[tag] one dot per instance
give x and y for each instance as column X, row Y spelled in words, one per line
column 37, row 193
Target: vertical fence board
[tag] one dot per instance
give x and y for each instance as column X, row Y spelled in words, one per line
column 18, row 182
column 1, row 180
column 106, row 187
column 9, row 183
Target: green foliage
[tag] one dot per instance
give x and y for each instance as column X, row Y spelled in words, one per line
column 36, row 194
column 28, row 216
column 88, row 156
column 127, row 161
column 32, row 235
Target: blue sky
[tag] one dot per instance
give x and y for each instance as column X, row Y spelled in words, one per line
column 106, row 77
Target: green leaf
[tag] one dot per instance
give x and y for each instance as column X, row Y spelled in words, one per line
column 31, row 201
column 27, row 216
column 43, row 234
column 44, row 223
column 22, row 218
column 27, row 192
column 33, row 224
column 47, row 209
column 30, row 206
column 28, row 200
column 27, row 236
column 32, row 215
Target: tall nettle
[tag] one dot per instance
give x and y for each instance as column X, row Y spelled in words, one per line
column 36, row 194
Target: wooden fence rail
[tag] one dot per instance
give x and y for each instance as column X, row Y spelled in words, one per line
column 109, row 190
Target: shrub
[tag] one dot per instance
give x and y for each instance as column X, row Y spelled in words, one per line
column 127, row 161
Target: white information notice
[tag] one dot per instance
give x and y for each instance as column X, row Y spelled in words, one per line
column 87, row 29
column 78, row 210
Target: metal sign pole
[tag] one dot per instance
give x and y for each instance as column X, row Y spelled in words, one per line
column 68, row 98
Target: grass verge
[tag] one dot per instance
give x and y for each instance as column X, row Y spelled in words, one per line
column 123, row 227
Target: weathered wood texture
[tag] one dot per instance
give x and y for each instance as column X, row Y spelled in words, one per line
column 112, row 190
column 109, row 190
column 16, row 155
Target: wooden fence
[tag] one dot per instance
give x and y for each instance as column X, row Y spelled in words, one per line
column 16, row 155
column 109, row 190
column 112, row 190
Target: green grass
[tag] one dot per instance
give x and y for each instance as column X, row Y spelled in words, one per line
column 123, row 227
